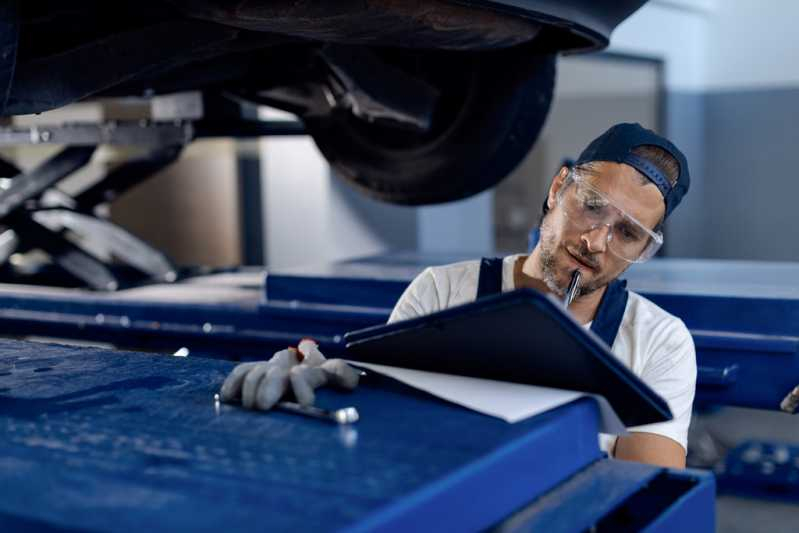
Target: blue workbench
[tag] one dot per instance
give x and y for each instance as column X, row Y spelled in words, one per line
column 94, row 439
column 743, row 315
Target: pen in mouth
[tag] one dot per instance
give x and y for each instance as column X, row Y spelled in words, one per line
column 574, row 286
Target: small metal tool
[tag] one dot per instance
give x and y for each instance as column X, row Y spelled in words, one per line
column 217, row 405
column 574, row 286
column 346, row 415
column 343, row 416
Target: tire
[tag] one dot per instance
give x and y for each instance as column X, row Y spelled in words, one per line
column 491, row 111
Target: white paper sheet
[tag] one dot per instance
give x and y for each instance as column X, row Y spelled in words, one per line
column 511, row 402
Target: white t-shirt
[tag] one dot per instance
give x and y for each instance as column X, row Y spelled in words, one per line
column 652, row 343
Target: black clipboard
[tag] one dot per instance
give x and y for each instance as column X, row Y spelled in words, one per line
column 522, row 336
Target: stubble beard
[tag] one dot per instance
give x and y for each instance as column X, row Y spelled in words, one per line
column 550, row 269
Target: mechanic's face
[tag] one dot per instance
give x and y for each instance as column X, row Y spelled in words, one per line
column 564, row 247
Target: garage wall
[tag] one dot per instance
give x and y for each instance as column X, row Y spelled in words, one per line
column 464, row 226
column 752, row 122
column 732, row 98
column 189, row 210
column 753, row 45
column 311, row 216
column 677, row 33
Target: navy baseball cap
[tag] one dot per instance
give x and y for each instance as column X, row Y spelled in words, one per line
column 616, row 145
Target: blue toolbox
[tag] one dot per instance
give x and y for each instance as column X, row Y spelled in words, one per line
column 768, row 470
column 741, row 316
column 95, row 439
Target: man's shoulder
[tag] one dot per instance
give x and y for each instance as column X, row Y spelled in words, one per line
column 454, row 283
column 645, row 312
column 441, row 286
column 455, row 270
column 467, row 267
column 658, row 339
column 463, row 275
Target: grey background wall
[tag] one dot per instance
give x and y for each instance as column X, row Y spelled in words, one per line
column 684, row 123
column 750, row 187
column 732, row 105
column 310, row 216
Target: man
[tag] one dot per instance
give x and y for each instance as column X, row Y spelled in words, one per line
column 599, row 217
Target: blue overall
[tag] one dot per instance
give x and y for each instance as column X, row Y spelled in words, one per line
column 608, row 317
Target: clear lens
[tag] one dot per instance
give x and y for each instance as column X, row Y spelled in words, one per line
column 587, row 209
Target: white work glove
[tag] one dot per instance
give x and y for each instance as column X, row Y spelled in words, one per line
column 262, row 384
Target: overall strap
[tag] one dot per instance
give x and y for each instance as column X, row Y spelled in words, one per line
column 490, row 277
column 611, row 311
column 608, row 318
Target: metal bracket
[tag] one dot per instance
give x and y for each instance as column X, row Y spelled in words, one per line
column 145, row 133
column 125, row 177
column 394, row 96
column 21, row 212
column 717, row 377
column 140, row 133
column 26, row 187
column 68, row 256
column 9, row 42
column 362, row 83
column 111, row 239
column 73, row 234
column 790, row 404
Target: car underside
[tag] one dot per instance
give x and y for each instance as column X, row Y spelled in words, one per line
column 413, row 102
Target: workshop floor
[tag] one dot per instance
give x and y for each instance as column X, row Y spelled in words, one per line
column 742, row 515
column 733, row 426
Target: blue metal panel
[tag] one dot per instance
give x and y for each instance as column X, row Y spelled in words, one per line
column 762, row 316
column 744, row 317
column 745, row 369
column 618, row 495
column 374, row 281
column 112, row 440
column 583, row 500
column 508, row 477
column 731, row 296
column 692, row 511
column 249, row 329
column 760, row 469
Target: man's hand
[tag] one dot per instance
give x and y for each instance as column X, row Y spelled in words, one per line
column 261, row 385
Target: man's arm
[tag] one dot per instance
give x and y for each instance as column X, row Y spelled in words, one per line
column 671, row 372
column 650, row 448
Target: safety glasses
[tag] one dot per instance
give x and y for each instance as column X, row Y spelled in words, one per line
column 588, row 210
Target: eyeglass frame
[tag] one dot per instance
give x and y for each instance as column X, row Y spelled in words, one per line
column 655, row 235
